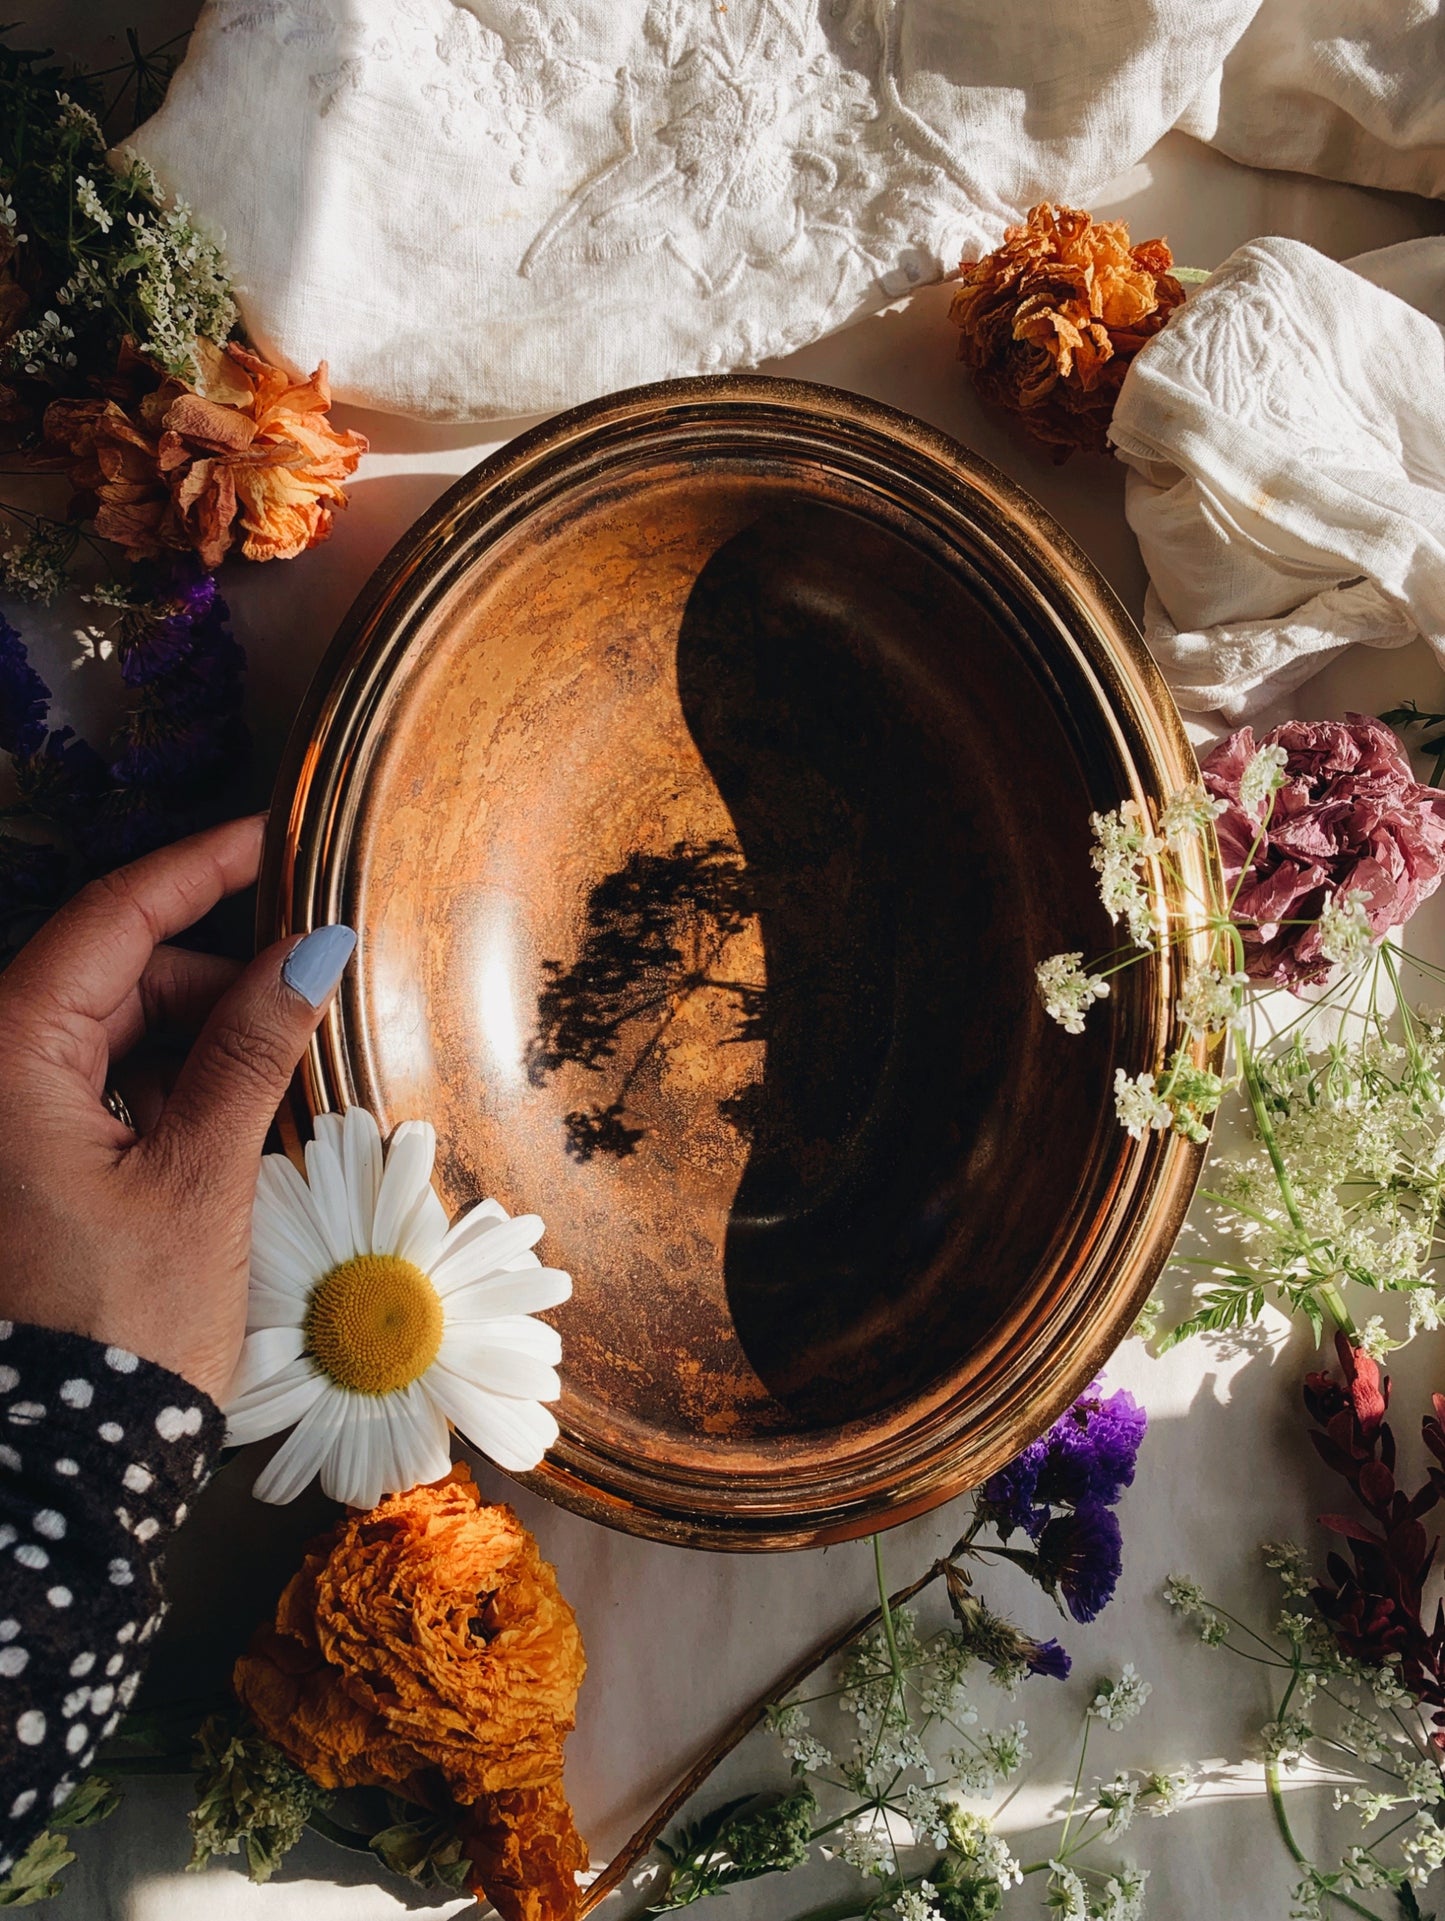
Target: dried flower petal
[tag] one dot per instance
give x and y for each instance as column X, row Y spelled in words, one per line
column 1050, row 320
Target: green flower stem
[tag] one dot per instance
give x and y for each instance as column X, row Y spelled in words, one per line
column 1297, row 1853
column 1329, row 1294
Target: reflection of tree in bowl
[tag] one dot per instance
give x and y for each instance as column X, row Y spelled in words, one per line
column 660, row 931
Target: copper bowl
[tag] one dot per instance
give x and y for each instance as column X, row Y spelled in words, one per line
column 705, row 775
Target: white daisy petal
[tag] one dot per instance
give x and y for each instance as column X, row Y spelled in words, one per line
column 500, row 1367
column 353, row 1470
column 273, row 1306
column 263, row 1355
column 327, row 1182
column 274, row 1404
column 487, row 1250
column 515, row 1434
column 409, row 1158
column 518, row 1333
column 424, row 1231
column 284, row 1216
column 531, row 1291
column 362, row 1161
column 299, row 1459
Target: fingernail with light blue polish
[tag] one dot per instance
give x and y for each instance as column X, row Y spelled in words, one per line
column 316, row 964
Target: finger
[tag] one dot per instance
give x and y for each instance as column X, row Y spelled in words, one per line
column 236, row 1075
column 89, row 956
column 175, row 994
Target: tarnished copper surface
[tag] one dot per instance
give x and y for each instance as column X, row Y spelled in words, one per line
column 705, row 775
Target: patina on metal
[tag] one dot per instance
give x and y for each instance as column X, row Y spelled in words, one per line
column 705, row 775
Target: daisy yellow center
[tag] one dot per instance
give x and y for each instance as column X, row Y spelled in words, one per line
column 374, row 1324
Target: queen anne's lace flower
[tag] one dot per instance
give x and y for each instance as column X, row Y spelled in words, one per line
column 1210, row 999
column 1139, row 1105
column 1067, row 991
column 1345, row 936
column 1116, row 1703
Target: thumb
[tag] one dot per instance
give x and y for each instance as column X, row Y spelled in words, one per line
column 236, row 1075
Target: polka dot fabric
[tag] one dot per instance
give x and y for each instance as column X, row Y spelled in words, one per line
column 100, row 1454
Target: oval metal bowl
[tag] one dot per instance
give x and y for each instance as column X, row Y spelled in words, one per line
column 705, row 775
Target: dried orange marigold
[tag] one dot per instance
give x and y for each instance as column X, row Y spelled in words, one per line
column 1050, row 320
column 424, row 1647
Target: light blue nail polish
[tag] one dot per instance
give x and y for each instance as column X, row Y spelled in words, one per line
column 316, row 964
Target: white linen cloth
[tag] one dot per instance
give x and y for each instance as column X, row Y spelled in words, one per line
column 479, row 208
column 1286, row 439
column 1352, row 89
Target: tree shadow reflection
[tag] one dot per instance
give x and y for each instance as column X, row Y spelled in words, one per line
column 655, row 932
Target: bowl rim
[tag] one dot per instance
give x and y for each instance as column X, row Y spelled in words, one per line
column 1155, row 1178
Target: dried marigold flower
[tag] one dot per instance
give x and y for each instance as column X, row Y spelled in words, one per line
column 424, row 1647
column 1050, row 320
column 163, row 464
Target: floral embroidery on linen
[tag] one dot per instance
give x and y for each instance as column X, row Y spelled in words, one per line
column 744, row 136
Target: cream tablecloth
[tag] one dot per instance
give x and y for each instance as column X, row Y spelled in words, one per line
column 677, row 1640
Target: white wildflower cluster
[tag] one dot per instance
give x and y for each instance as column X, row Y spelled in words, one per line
column 88, row 199
column 924, row 1852
column 1188, row 812
column 1118, row 1802
column 1122, row 1896
column 916, row 1904
column 1211, row 999
column 1287, row 1560
column 1140, row 1107
column 1285, row 1740
column 1066, row 1896
column 865, row 1846
column 927, row 1814
column 985, row 1853
column 34, row 568
column 73, row 118
column 1164, row 1794
column 1123, row 843
column 1263, row 776
column 1187, row 1598
column 1423, row 1849
column 44, row 344
column 1345, row 935
column 807, row 1754
column 1360, row 1127
column 10, row 220
column 1116, row 1703
column 181, row 287
column 1067, row 992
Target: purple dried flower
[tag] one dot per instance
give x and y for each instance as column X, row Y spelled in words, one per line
column 1080, row 1556
column 1007, row 1497
column 1091, row 1451
column 24, row 697
column 1049, row 1659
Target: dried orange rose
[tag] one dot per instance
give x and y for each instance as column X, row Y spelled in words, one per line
column 424, row 1647
column 170, row 465
column 1050, row 320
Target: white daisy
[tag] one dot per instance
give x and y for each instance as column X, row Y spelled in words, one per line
column 373, row 1324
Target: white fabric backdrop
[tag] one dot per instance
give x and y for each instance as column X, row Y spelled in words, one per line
column 479, row 207
column 676, row 1641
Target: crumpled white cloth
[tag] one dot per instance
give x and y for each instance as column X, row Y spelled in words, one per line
column 474, row 208
column 1286, row 439
column 1351, row 89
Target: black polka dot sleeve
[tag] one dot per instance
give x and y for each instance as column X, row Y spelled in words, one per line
column 100, row 1453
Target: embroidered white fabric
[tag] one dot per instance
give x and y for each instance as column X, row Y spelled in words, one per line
column 478, row 208
column 1286, row 440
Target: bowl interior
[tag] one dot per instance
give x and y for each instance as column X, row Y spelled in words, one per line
column 704, row 844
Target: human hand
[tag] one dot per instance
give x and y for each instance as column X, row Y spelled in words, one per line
column 142, row 1239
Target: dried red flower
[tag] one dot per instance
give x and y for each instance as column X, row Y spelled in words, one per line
column 1351, row 815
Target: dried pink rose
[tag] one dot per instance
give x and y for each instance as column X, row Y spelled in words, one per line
column 1350, row 816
